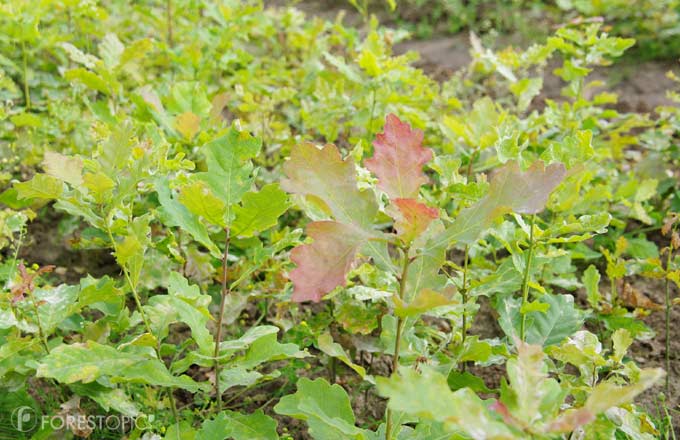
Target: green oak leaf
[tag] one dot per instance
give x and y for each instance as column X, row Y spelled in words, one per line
column 237, row 426
column 259, row 211
column 41, row 186
column 91, row 361
column 326, row 409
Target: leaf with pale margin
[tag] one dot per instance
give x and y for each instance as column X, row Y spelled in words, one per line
column 200, row 200
column 398, row 159
column 326, row 409
column 267, row 349
column 427, row 395
column 41, row 186
column 532, row 395
column 90, row 361
column 426, row 300
column 605, row 396
column 183, row 303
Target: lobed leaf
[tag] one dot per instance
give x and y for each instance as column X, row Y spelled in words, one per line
column 237, row 426
column 90, row 361
column 66, row 168
column 326, row 409
column 398, row 159
column 259, row 211
column 323, row 264
column 324, row 175
column 411, row 218
column 41, row 186
column 427, row 395
column 511, row 190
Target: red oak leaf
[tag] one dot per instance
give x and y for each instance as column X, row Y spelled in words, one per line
column 411, row 218
column 323, row 264
column 398, row 159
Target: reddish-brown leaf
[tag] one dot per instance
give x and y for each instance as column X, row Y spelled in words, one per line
column 398, row 159
column 632, row 297
column 323, row 264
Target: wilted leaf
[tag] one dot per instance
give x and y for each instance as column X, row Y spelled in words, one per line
column 67, row 168
column 188, row 124
column 398, row 159
column 632, row 297
column 427, row 395
column 604, row 396
column 425, row 301
column 331, row 348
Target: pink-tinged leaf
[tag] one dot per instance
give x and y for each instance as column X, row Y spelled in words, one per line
column 398, row 159
column 323, row 174
column 571, row 420
column 323, row 264
column 411, row 218
column 501, row 409
column 511, row 190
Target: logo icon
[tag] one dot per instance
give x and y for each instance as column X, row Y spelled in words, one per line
column 24, row 418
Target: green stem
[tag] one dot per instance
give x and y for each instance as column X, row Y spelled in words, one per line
column 465, row 266
column 15, row 257
column 669, row 259
column 145, row 320
column 397, row 339
column 525, row 280
column 220, row 318
column 369, row 125
column 463, row 292
column 27, row 93
column 41, row 332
